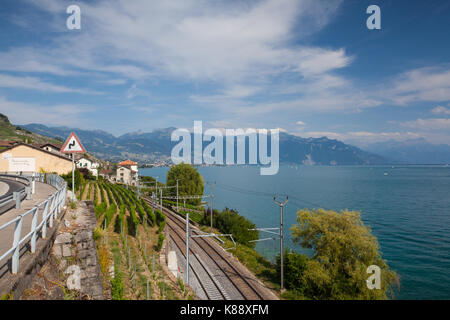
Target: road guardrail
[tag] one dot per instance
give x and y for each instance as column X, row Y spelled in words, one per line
column 43, row 216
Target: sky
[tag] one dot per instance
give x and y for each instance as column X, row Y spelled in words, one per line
column 309, row 67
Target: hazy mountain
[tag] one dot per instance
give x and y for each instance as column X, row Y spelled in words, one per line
column 156, row 145
column 415, row 151
column 323, row 151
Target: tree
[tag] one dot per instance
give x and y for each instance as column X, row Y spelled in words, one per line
column 230, row 222
column 190, row 182
column 294, row 265
column 79, row 179
column 343, row 248
column 87, row 175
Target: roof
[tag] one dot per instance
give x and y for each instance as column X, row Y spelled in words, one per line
column 36, row 148
column 106, row 171
column 127, row 163
column 57, row 146
column 7, row 143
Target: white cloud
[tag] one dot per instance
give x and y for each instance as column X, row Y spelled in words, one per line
column 363, row 139
column 193, row 39
column 114, row 82
column 23, row 113
column 134, row 91
column 428, row 124
column 32, row 83
column 441, row 110
column 317, row 60
column 424, row 84
column 300, row 123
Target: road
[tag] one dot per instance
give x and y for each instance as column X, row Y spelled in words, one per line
column 43, row 191
column 4, row 187
column 7, row 187
column 13, row 187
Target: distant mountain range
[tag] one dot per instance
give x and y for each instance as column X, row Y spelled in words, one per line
column 156, row 147
column 414, row 151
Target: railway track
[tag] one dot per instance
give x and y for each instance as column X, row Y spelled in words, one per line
column 204, row 250
column 209, row 284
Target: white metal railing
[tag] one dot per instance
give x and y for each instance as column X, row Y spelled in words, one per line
column 47, row 210
column 19, row 194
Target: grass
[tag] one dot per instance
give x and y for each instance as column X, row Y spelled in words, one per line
column 73, row 204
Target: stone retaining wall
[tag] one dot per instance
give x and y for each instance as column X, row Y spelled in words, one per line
column 72, row 270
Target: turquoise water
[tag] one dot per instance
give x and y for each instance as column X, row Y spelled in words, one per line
column 408, row 209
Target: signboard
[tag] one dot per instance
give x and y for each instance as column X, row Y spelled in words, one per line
column 73, row 145
column 6, row 156
column 22, row 164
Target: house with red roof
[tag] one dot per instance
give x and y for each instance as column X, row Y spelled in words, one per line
column 127, row 172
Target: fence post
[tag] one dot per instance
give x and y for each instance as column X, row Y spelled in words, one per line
column 28, row 191
column 33, row 229
column 33, row 185
column 52, row 205
column 16, row 196
column 16, row 246
column 44, row 218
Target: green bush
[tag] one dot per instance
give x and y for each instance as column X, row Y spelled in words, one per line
column 161, row 226
column 79, row 180
column 110, row 212
column 229, row 221
column 116, row 285
column 160, row 241
column 160, row 217
column 132, row 222
column 150, row 215
column 100, row 209
column 120, row 219
column 295, row 265
column 89, row 192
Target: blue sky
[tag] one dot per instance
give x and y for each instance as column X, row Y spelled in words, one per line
column 309, row 67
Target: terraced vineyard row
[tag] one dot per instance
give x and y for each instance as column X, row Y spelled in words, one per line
column 129, row 236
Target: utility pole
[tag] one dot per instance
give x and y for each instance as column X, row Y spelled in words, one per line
column 156, row 184
column 211, row 186
column 73, row 177
column 160, row 199
column 281, row 204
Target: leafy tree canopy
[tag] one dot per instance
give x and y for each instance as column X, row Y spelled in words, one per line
column 343, row 247
column 190, row 182
column 230, row 222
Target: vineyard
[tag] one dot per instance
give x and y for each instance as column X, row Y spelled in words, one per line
column 129, row 236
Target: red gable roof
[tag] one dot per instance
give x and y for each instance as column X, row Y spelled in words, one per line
column 127, row 163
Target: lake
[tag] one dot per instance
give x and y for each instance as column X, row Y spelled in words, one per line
column 407, row 207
